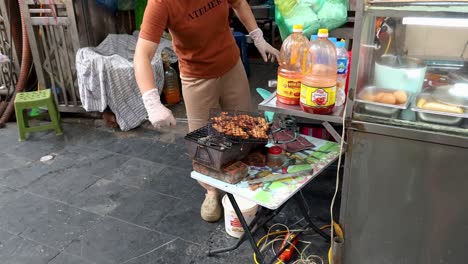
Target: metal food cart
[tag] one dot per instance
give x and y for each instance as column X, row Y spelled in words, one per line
column 405, row 196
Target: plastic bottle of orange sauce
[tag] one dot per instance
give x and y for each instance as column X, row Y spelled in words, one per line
column 292, row 53
column 318, row 87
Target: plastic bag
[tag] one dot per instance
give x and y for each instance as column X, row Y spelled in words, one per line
column 312, row 14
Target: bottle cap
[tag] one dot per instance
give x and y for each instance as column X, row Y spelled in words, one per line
column 323, row 32
column 297, row 28
column 275, row 150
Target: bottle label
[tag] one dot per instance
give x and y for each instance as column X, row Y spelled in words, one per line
column 342, row 65
column 320, row 97
column 289, row 87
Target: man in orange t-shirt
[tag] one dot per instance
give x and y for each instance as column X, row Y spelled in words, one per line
column 211, row 71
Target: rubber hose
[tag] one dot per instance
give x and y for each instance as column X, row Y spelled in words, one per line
column 25, row 66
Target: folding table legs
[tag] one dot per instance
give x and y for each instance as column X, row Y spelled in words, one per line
column 262, row 217
column 303, row 208
column 241, row 240
column 246, row 227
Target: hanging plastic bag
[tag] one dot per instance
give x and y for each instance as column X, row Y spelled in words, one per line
column 312, row 14
column 112, row 5
column 333, row 14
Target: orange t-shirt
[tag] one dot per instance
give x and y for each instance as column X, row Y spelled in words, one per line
column 201, row 35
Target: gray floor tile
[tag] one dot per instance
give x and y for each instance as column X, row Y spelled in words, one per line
column 9, row 161
column 50, row 223
column 61, row 184
column 17, row 250
column 185, row 222
column 22, row 177
column 156, row 177
column 98, row 163
column 170, row 154
column 112, row 241
column 144, row 208
column 64, row 258
column 104, row 197
column 4, row 238
column 76, row 134
column 137, row 172
column 173, row 181
column 177, row 251
column 37, row 145
column 84, row 172
column 7, row 195
column 8, row 137
column 180, row 251
column 135, row 147
column 82, row 154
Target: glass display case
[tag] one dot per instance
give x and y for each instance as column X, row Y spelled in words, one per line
column 412, row 70
column 404, row 185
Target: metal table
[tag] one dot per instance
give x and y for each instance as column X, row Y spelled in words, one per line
column 273, row 196
column 271, row 104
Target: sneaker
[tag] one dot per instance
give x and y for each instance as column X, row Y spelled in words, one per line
column 211, row 208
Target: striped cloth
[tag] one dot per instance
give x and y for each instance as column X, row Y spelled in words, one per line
column 106, row 78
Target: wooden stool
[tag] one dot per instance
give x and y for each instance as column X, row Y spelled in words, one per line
column 28, row 100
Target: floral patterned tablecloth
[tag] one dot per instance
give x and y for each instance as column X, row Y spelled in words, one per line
column 274, row 194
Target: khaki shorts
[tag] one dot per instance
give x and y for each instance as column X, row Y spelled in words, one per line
column 228, row 92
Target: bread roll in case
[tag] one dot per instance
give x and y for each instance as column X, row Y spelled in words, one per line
column 423, row 103
column 384, row 96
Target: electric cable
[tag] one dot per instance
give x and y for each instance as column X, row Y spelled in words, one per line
column 388, row 44
column 282, row 233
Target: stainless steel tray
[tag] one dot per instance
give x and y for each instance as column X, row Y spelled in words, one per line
column 380, row 109
column 439, row 119
column 436, row 117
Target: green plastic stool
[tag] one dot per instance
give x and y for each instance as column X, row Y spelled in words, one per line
column 28, row 100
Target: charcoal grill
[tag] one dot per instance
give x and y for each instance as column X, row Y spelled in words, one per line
column 214, row 151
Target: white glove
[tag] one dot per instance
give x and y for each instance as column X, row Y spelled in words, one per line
column 266, row 50
column 158, row 114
